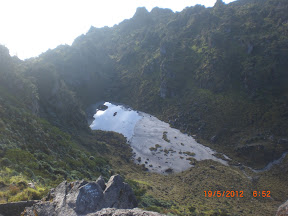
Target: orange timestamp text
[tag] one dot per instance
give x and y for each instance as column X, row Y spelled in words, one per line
column 223, row 193
column 235, row 193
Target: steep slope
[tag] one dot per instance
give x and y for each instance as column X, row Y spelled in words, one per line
column 35, row 152
column 219, row 73
column 216, row 72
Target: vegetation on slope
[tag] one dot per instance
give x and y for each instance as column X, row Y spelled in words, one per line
column 183, row 193
column 216, row 72
column 32, row 150
column 220, row 73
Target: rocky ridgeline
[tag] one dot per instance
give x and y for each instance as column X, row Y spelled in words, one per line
column 89, row 198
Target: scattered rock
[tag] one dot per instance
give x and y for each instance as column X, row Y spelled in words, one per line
column 213, row 139
column 144, row 168
column 102, row 107
column 31, row 185
column 169, row 170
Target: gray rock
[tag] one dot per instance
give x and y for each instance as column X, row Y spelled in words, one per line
column 101, row 182
column 81, row 198
column 122, row 212
column 88, row 198
column 214, row 138
column 42, row 208
column 118, row 194
column 283, row 209
column 15, row 208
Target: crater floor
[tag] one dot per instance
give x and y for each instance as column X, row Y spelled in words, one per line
column 155, row 144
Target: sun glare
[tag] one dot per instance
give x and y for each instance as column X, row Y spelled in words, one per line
column 31, row 27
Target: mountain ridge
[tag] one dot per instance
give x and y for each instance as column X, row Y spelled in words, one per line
column 219, row 73
column 141, row 63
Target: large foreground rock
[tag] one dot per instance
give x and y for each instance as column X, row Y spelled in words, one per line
column 81, row 198
column 283, row 209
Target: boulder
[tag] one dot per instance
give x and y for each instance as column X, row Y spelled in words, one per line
column 101, row 182
column 82, row 198
column 118, row 194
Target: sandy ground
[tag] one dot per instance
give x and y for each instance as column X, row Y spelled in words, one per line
column 175, row 153
column 155, row 144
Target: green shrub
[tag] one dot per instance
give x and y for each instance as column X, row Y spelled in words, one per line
column 5, row 162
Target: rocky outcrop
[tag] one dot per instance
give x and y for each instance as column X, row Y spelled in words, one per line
column 283, row 209
column 83, row 198
column 15, row 208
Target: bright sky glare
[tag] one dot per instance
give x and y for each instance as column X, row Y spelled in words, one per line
column 30, row 27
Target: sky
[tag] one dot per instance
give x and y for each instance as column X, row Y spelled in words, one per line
column 31, row 27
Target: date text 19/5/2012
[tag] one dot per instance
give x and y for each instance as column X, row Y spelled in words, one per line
column 235, row 193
